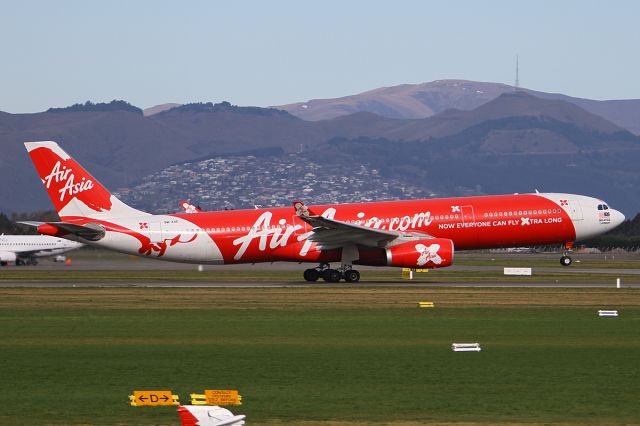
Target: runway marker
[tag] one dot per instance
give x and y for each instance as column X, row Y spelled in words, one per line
column 465, row 347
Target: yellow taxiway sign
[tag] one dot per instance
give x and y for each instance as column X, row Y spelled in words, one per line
column 153, row 398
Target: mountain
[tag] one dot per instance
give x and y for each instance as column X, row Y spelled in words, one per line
column 559, row 145
column 427, row 99
column 120, row 146
column 158, row 108
column 452, row 121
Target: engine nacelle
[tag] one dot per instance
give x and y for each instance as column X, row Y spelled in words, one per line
column 7, row 256
column 431, row 253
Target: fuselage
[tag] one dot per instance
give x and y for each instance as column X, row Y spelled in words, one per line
column 32, row 246
column 277, row 234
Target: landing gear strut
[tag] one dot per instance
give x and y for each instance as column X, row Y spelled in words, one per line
column 566, row 260
column 345, row 272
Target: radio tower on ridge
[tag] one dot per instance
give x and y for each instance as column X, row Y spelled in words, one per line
column 517, row 86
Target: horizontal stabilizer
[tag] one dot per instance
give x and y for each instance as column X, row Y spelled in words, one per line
column 90, row 231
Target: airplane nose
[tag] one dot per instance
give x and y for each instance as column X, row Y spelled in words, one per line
column 617, row 218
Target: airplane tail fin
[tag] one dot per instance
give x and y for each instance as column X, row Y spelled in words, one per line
column 73, row 191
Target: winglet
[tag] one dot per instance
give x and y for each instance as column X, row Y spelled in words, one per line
column 189, row 208
column 301, row 209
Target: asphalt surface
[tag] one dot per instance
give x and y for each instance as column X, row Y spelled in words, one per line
column 289, row 284
column 133, row 263
column 110, row 261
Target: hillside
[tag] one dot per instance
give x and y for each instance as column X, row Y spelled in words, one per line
column 423, row 100
column 513, row 143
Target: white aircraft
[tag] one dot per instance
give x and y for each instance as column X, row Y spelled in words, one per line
column 25, row 249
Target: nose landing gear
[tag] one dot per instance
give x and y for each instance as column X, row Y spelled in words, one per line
column 566, row 260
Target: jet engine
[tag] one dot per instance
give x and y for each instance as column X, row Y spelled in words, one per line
column 430, row 253
column 7, row 256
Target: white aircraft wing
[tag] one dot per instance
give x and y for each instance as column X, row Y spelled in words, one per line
column 31, row 252
column 330, row 233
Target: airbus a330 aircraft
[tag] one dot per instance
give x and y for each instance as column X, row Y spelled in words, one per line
column 26, row 249
column 410, row 234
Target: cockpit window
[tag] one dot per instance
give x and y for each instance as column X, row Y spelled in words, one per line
column 603, row 207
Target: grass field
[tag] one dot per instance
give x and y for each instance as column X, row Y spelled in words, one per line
column 322, row 356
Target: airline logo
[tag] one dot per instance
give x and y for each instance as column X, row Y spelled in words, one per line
column 64, row 180
column 604, row 217
column 65, row 175
column 271, row 236
column 428, row 254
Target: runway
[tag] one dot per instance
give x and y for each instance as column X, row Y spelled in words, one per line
column 587, row 272
column 294, row 285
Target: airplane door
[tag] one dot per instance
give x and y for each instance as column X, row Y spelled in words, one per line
column 467, row 214
column 574, row 210
column 467, row 237
column 303, row 226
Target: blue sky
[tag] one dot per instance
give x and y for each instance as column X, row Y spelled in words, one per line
column 56, row 53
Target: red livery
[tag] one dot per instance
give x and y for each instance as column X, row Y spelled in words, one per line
column 408, row 234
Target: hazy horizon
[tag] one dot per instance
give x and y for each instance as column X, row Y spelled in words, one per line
column 262, row 54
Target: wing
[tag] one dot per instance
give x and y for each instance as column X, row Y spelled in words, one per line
column 90, row 231
column 330, row 233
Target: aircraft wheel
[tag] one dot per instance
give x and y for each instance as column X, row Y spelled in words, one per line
column 19, row 262
column 34, row 262
column 352, row 276
column 4, row 263
column 331, row 275
column 311, row 275
column 565, row 261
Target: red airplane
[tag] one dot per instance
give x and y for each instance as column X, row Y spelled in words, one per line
column 408, row 234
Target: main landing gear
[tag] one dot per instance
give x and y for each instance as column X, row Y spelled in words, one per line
column 345, row 272
column 566, row 260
